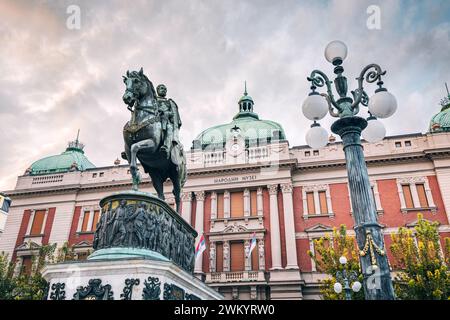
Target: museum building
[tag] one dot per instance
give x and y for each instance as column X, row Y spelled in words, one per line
column 244, row 182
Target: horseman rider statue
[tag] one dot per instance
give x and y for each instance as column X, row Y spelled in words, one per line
column 170, row 120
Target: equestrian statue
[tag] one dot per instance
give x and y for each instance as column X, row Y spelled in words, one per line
column 152, row 135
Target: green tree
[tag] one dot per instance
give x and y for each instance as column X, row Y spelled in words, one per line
column 423, row 272
column 6, row 277
column 327, row 251
column 30, row 286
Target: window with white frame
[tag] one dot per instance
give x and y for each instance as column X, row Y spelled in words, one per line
column 37, row 222
column 375, row 195
column 88, row 220
column 316, row 200
column 415, row 193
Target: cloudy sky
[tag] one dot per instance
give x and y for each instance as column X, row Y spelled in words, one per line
column 55, row 79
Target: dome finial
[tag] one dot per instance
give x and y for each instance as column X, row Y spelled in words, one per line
column 445, row 103
column 75, row 144
column 245, row 88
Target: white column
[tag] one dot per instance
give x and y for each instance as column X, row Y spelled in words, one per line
column 91, row 220
column 30, row 222
column 247, row 256
column 259, row 201
column 186, row 204
column 377, row 196
column 415, row 195
column 305, row 204
column 401, row 195
column 226, row 256
column 311, row 248
column 212, row 256
column 429, row 194
column 317, row 202
column 200, row 197
column 214, row 205
column 44, row 222
column 289, row 226
column 274, row 227
column 246, row 202
column 226, row 204
column 261, row 255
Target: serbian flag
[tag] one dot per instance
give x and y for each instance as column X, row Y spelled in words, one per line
column 252, row 243
column 201, row 246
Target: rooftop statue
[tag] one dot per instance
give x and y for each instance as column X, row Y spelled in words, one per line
column 151, row 135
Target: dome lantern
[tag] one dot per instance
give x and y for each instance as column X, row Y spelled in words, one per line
column 246, row 124
column 441, row 121
column 246, row 105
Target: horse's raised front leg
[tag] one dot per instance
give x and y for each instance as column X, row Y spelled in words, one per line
column 133, row 161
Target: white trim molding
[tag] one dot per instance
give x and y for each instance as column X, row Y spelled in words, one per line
column 316, row 189
column 412, row 182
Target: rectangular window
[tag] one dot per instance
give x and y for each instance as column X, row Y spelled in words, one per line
column 101, row 174
column 253, row 203
column 408, row 196
column 82, row 256
column 237, row 256
column 422, row 195
column 315, row 152
column 407, row 143
column 38, row 221
column 398, row 144
column 84, row 225
column 237, row 204
column 307, row 153
column 220, row 205
column 219, row 257
column 310, row 203
column 323, row 202
column 94, row 175
column 27, row 263
column 95, row 219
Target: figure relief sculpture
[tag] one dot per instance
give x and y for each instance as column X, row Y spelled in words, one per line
column 118, row 227
column 151, row 136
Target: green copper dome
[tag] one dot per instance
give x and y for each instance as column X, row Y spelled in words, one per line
column 70, row 160
column 245, row 123
column 441, row 121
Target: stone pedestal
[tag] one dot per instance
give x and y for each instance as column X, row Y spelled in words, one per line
column 143, row 251
column 125, row 279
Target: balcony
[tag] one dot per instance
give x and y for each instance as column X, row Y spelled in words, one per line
column 239, row 276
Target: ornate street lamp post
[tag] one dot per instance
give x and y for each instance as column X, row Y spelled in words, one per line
column 374, row 264
column 345, row 277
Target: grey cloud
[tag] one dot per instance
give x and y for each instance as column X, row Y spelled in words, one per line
column 55, row 80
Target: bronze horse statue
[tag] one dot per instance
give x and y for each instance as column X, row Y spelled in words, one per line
column 152, row 135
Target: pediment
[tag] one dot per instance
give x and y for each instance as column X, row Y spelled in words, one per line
column 235, row 228
column 416, row 222
column 29, row 245
column 83, row 244
column 319, row 228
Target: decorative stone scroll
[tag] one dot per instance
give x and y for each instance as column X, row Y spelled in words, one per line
column 94, row 291
column 134, row 219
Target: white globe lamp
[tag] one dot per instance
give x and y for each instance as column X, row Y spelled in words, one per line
column 315, row 107
column 356, row 286
column 336, row 52
column 382, row 104
column 337, row 287
column 375, row 130
column 317, row 137
column 343, row 260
